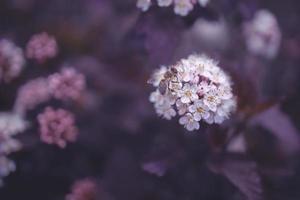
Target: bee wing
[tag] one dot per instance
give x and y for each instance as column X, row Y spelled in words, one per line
column 162, row 87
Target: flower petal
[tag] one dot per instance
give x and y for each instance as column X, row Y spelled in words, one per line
column 197, row 116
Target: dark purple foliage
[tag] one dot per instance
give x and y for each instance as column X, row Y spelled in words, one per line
column 123, row 150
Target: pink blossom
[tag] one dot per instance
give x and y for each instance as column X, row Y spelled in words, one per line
column 41, row 47
column 67, row 85
column 32, row 94
column 57, row 127
column 85, row 189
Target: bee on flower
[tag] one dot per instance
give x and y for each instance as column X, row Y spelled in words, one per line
column 203, row 92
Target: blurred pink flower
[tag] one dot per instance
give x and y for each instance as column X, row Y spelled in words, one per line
column 32, row 94
column 11, row 60
column 57, row 127
column 41, row 47
column 85, row 189
column 67, row 85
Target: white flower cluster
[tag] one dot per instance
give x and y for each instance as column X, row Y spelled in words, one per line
column 12, row 60
column 10, row 125
column 263, row 35
column 7, row 166
column 196, row 89
column 181, row 7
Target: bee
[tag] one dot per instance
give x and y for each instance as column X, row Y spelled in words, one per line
column 169, row 77
column 163, row 86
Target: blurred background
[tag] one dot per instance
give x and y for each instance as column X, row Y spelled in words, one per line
column 123, row 149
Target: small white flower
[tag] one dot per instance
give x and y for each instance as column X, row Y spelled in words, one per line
column 226, row 108
column 163, row 104
column 200, row 110
column 183, row 7
column 158, row 75
column 186, row 70
column 164, row 3
column 203, row 88
column 181, row 107
column 156, row 97
column 188, row 93
column 170, row 98
column 199, row 62
column 220, row 77
column 224, row 92
column 212, row 100
column 203, row 2
column 189, row 122
column 210, row 119
column 159, row 99
column 165, row 110
column 143, row 4
column 214, row 73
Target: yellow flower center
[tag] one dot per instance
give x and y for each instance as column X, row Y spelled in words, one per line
column 188, row 93
column 200, row 110
column 211, row 99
